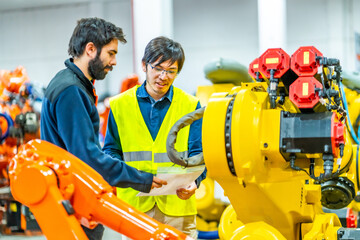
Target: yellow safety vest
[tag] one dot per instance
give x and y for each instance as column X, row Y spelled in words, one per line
column 142, row 152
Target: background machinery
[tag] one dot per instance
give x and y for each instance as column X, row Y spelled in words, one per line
column 19, row 123
column 281, row 149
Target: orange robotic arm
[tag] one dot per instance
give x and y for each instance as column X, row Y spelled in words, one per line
column 63, row 191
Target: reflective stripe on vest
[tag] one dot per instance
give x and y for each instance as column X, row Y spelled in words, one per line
column 163, row 157
column 146, row 154
column 137, row 156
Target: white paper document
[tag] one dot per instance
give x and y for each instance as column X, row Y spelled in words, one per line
column 176, row 178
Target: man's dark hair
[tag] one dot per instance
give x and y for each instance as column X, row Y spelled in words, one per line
column 162, row 49
column 95, row 30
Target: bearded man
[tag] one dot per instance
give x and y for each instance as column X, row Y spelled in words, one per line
column 69, row 117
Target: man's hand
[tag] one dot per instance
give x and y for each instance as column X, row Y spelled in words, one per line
column 157, row 182
column 186, row 193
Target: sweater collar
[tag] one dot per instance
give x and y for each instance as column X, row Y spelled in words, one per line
column 69, row 63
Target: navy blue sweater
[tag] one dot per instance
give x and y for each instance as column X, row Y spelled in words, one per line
column 70, row 120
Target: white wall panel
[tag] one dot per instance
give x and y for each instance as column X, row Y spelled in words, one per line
column 37, row 39
column 329, row 25
column 209, row 29
column 119, row 13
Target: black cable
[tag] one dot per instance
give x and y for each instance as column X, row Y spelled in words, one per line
column 324, row 89
column 296, row 168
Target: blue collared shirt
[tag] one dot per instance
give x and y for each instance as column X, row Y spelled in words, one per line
column 153, row 113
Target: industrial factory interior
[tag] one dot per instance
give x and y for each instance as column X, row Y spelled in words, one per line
column 179, row 119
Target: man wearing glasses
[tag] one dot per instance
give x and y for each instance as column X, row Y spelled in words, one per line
column 139, row 122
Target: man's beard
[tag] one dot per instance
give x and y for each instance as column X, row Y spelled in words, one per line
column 96, row 69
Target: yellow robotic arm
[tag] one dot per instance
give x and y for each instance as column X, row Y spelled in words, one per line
column 279, row 148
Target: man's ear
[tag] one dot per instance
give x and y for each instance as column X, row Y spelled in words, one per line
column 90, row 50
column 143, row 64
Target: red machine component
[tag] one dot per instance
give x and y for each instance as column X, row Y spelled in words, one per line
column 303, row 61
column 337, row 134
column 130, row 81
column 274, row 58
column 351, row 218
column 63, row 191
column 254, row 70
column 303, row 92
